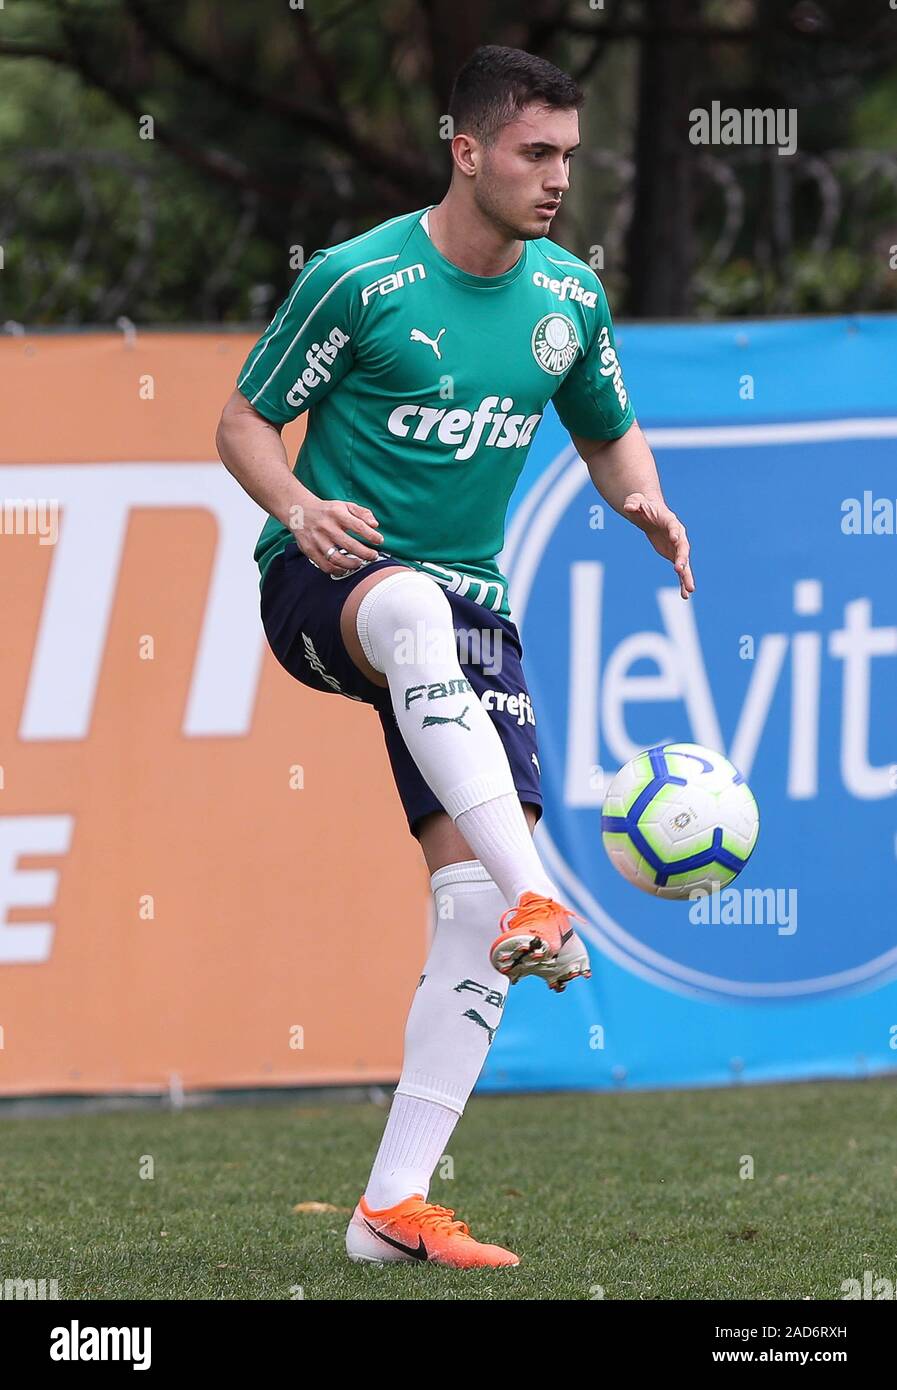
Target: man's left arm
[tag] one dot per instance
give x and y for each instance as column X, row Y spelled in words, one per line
column 625, row 474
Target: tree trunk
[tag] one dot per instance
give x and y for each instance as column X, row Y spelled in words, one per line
column 661, row 237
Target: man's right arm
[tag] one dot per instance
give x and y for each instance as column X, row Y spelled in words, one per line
column 251, row 448
column 304, row 353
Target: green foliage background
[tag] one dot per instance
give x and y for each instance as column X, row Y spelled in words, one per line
column 278, row 127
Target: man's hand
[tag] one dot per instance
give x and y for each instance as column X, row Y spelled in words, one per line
column 665, row 532
column 252, row 449
column 624, row 472
column 319, row 526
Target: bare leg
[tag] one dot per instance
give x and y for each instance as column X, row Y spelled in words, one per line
column 441, row 843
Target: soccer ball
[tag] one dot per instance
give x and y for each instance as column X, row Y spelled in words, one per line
column 679, row 819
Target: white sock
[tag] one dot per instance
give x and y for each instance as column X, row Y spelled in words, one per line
column 404, row 625
column 413, row 1142
column 498, row 831
column 445, row 1046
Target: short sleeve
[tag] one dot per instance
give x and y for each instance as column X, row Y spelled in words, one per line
column 306, row 349
column 593, row 401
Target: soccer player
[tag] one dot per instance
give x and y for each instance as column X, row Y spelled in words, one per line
column 426, row 351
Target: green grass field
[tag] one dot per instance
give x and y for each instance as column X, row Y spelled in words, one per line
column 637, row 1194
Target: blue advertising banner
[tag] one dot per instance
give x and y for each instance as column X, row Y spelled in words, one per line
column 777, row 444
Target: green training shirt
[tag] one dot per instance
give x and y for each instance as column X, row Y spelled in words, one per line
column 425, row 385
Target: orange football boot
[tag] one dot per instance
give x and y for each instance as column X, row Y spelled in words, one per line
column 540, row 941
column 415, row 1229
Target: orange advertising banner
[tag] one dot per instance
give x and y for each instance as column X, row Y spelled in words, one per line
column 206, row 879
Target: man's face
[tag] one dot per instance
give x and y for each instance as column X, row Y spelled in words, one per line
column 522, row 176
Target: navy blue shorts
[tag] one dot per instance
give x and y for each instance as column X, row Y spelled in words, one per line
column 301, row 608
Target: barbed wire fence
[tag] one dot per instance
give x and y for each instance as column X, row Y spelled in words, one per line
column 761, row 211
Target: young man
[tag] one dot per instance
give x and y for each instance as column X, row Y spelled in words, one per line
column 427, row 350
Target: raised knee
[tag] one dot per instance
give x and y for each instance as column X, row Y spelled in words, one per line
column 401, row 601
column 406, row 594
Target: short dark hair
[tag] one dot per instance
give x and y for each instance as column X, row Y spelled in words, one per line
column 496, row 83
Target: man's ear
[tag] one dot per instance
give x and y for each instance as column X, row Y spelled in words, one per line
column 466, row 153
